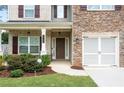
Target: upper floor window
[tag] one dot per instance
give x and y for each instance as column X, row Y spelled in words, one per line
column 100, row 7
column 29, row 11
column 60, row 11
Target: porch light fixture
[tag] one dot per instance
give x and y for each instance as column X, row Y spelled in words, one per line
column 77, row 40
column 59, row 33
column 28, row 32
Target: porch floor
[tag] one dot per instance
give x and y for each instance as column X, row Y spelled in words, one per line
column 64, row 67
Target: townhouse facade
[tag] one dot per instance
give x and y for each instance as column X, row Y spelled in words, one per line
column 90, row 35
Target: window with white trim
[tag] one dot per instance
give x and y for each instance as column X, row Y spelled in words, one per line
column 29, row 11
column 23, row 44
column 100, row 7
column 60, row 11
column 34, row 44
column 29, row 44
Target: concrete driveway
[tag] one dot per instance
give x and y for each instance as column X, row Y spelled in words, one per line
column 107, row 77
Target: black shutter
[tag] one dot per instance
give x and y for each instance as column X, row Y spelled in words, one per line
column 65, row 11
column 20, row 11
column 15, row 45
column 118, row 7
column 55, row 11
column 83, row 7
column 40, row 43
column 37, row 11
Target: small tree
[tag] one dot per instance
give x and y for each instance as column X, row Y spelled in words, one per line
column 5, row 38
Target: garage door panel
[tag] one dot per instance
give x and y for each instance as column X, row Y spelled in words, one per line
column 91, row 59
column 108, row 59
column 99, row 51
column 107, row 45
column 91, row 42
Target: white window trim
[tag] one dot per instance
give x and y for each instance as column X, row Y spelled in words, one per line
column 100, row 9
column 29, row 17
column 28, row 45
column 67, row 49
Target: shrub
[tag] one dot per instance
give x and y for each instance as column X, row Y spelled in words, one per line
column 32, row 65
column 26, row 62
column 14, row 61
column 16, row 73
column 45, row 60
column 1, row 60
column 26, row 57
column 2, row 68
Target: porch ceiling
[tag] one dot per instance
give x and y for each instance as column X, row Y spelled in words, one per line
column 35, row 25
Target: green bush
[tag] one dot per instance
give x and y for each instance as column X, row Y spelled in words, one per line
column 2, row 68
column 14, row 62
column 45, row 60
column 32, row 65
column 1, row 60
column 26, row 57
column 27, row 62
column 16, row 73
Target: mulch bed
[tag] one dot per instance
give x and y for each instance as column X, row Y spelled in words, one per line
column 45, row 71
column 77, row 67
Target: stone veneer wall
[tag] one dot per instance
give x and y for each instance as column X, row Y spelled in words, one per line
column 96, row 21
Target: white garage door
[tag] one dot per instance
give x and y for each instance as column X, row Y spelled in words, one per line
column 99, row 51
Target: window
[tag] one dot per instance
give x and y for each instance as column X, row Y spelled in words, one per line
column 23, row 44
column 108, row 7
column 60, row 11
column 29, row 11
column 34, row 44
column 29, row 44
column 93, row 7
column 100, row 7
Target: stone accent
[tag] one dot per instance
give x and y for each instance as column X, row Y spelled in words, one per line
column 95, row 21
column 121, row 49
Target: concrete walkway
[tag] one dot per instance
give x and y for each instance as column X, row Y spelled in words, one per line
column 64, row 68
column 107, row 76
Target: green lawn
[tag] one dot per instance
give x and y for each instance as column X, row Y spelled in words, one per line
column 51, row 80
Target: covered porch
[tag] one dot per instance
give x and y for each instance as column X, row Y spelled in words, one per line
column 40, row 38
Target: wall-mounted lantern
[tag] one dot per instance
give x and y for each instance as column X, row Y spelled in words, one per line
column 77, row 40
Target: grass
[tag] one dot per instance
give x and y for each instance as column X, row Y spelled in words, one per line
column 51, row 80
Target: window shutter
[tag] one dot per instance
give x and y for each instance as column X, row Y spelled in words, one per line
column 65, row 11
column 15, row 45
column 55, row 11
column 20, row 11
column 40, row 43
column 117, row 7
column 83, row 7
column 37, row 11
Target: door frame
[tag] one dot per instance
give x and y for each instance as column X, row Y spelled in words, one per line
column 54, row 50
column 102, row 35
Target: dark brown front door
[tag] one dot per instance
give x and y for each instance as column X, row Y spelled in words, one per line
column 60, row 48
column 15, row 45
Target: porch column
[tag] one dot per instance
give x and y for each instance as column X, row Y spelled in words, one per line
column 1, row 53
column 43, row 43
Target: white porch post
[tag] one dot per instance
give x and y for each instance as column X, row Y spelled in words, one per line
column 1, row 53
column 43, row 43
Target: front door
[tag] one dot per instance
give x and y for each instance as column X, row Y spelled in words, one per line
column 60, row 48
column 15, row 45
